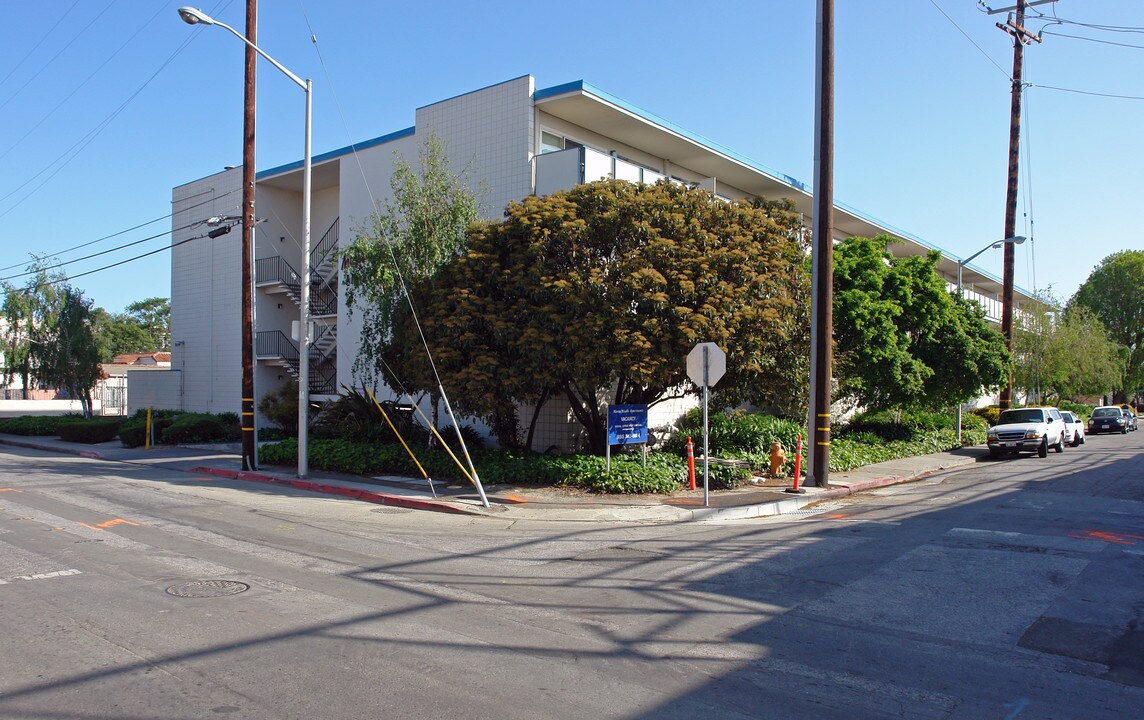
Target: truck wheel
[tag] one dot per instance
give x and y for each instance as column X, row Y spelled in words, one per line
column 1043, row 449
column 1061, row 444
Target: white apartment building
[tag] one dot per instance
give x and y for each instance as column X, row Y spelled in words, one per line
column 516, row 140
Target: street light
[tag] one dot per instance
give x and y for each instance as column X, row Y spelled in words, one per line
column 1015, row 240
column 193, row 16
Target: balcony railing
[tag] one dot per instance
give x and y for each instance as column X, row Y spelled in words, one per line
column 564, row 169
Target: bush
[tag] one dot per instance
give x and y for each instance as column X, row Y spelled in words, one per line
column 91, row 432
column 1081, row 410
column 174, row 426
column 736, row 435
column 201, row 428
column 133, row 430
column 664, row 473
column 990, row 414
column 280, row 406
column 36, row 425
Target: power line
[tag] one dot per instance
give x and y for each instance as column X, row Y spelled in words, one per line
column 70, row 154
column 1086, row 92
column 86, row 26
column 39, row 42
column 123, row 232
column 970, row 39
column 1095, row 40
column 82, row 84
column 121, row 262
column 103, row 252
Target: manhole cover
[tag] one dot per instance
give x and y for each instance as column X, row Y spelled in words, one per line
column 208, row 588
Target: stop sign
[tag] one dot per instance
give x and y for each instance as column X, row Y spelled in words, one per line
column 706, row 363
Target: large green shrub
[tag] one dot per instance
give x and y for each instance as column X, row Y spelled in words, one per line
column 280, row 406
column 736, row 435
column 664, row 473
column 94, row 431
column 48, row 425
column 202, row 428
column 174, row 427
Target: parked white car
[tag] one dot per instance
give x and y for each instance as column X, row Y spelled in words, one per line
column 1074, row 428
column 1027, row 430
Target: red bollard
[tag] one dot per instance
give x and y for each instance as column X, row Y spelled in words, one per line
column 797, row 468
column 691, row 463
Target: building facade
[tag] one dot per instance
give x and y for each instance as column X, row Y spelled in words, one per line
column 515, row 141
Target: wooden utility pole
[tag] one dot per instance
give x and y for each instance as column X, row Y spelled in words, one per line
column 822, row 264
column 1015, row 28
column 249, row 458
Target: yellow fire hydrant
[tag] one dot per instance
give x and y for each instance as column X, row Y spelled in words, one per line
column 778, row 457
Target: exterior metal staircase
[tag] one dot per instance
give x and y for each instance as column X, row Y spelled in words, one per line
column 274, row 275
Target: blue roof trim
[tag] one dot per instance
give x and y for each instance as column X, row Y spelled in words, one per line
column 581, row 86
column 585, row 87
column 365, row 144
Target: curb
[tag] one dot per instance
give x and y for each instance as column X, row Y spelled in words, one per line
column 48, row 448
column 355, row 493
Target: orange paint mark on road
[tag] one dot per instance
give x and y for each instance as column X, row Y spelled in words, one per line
column 117, row 521
column 1109, row 537
column 514, row 498
column 838, row 516
column 10, row 490
column 109, row 523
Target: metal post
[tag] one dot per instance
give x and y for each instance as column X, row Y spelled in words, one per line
column 249, row 462
column 822, row 273
column 706, row 450
column 304, row 334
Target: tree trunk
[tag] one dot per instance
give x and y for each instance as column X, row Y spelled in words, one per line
column 536, row 416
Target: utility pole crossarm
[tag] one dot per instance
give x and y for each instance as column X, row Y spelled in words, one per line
column 1018, row 32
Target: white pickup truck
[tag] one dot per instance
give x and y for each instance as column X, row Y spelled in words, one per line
column 1027, row 430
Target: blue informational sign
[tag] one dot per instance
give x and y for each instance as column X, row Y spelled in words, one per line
column 627, row 424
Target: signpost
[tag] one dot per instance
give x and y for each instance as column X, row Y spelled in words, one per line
column 627, row 424
column 706, row 364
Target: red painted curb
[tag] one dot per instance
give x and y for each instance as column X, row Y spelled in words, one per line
column 355, row 493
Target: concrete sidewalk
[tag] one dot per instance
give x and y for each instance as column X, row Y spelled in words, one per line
column 517, row 502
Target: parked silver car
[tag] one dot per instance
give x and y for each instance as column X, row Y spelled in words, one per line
column 1074, row 428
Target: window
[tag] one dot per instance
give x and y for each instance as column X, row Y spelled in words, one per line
column 551, row 142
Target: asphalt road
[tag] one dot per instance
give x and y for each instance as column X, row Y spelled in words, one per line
column 1011, row 590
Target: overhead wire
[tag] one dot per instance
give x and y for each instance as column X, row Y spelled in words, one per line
column 104, row 252
column 64, row 158
column 44, row 66
column 970, row 39
column 47, row 34
column 121, row 262
column 1027, row 187
column 82, row 84
column 124, row 232
column 397, row 269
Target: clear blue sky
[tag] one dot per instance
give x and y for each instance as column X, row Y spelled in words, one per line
column 105, row 106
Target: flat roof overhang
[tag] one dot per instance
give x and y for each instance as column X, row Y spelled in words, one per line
column 582, row 104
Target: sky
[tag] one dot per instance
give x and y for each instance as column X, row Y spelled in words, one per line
column 104, row 107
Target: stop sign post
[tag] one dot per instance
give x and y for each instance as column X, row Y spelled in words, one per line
column 706, row 365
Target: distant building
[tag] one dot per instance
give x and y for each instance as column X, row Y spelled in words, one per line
column 517, row 140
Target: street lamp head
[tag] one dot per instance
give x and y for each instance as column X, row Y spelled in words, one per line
column 1016, row 240
column 193, row 16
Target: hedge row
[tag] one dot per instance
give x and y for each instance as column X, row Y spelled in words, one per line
column 47, row 425
column 171, row 427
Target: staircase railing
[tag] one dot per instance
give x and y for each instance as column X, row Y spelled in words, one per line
column 276, row 269
column 326, row 246
column 275, row 344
